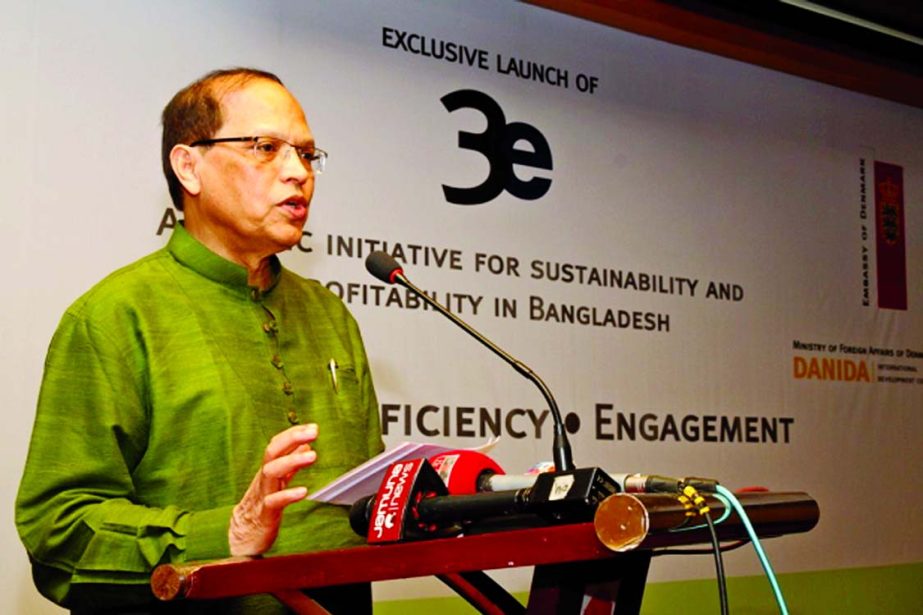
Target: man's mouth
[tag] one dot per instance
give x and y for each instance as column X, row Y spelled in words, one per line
column 296, row 206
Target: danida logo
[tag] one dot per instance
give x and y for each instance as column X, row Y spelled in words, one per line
column 499, row 143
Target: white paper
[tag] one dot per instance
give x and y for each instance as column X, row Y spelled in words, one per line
column 365, row 479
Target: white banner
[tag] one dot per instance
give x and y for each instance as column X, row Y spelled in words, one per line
column 683, row 246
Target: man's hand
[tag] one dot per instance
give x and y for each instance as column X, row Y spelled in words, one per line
column 256, row 518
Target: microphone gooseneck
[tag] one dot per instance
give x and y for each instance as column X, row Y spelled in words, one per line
column 384, row 267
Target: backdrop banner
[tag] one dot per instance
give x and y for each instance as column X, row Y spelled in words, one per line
column 715, row 267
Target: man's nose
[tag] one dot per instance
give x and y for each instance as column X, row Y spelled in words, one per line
column 293, row 167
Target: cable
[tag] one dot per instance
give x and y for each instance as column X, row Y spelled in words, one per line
column 724, row 515
column 695, row 503
column 719, row 567
column 767, row 567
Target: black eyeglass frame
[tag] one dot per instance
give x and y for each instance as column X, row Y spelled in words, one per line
column 316, row 158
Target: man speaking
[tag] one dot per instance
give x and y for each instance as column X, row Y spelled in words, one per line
column 192, row 399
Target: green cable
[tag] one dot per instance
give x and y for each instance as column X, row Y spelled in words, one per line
column 767, row 567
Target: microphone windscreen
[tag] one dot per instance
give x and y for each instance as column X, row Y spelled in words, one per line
column 383, row 266
column 360, row 513
column 460, row 470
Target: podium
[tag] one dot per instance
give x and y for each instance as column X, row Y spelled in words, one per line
column 572, row 565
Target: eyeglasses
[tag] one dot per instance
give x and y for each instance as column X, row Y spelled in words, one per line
column 267, row 149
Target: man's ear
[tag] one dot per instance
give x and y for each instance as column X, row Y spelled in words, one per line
column 184, row 160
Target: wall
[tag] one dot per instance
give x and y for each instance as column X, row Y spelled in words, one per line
column 673, row 173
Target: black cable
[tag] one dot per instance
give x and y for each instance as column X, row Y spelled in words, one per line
column 719, row 566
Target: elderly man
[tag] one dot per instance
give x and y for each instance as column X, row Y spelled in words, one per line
column 164, row 383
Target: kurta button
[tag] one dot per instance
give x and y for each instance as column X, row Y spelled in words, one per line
column 255, row 294
column 292, row 417
column 287, row 388
column 277, row 361
column 269, row 328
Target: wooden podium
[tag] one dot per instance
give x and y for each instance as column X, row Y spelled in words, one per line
column 572, row 565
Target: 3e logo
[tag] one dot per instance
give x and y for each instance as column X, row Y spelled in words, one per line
column 498, row 144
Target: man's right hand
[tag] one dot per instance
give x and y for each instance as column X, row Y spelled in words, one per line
column 256, row 518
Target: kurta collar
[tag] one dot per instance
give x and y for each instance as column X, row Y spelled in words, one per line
column 188, row 251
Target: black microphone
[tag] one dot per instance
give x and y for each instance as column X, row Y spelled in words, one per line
column 384, row 267
column 467, row 472
column 446, row 515
column 412, row 503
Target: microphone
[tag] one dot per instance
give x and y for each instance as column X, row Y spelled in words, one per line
column 506, row 482
column 466, row 472
column 440, row 515
column 413, row 503
column 384, row 267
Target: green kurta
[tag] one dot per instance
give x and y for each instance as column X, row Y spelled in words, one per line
column 162, row 387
